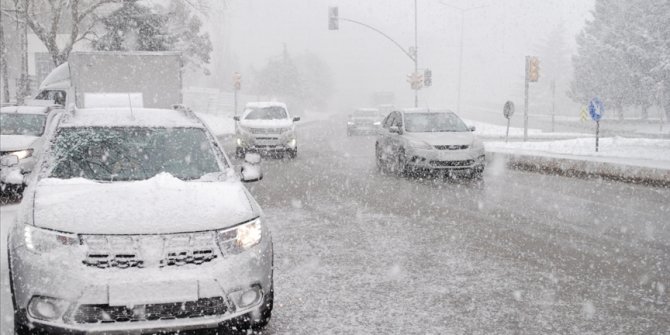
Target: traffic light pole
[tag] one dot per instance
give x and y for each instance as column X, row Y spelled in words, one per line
column 525, row 101
column 414, row 56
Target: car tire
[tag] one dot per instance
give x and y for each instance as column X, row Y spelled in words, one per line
column 378, row 159
column 293, row 153
column 400, row 164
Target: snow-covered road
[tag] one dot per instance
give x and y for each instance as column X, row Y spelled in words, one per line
column 357, row 252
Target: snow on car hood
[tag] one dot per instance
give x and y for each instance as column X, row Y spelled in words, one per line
column 160, row 205
column 443, row 138
column 279, row 123
column 17, row 142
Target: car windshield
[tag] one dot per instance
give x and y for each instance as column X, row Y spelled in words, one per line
column 266, row 113
column 433, row 122
column 135, row 153
column 366, row 114
column 22, row 124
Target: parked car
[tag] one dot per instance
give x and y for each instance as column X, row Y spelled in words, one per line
column 266, row 127
column 419, row 140
column 364, row 120
column 136, row 221
column 22, row 135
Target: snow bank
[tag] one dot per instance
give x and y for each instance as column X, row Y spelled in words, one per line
column 488, row 130
column 619, row 158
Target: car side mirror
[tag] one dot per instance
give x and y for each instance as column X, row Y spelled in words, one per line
column 296, row 119
column 9, row 160
column 395, row 130
column 472, row 128
column 236, row 118
column 251, row 168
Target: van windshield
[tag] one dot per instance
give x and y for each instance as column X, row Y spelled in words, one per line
column 22, row 124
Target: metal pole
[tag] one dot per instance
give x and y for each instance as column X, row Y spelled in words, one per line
column 235, row 98
column 553, row 105
column 525, row 104
column 597, row 133
column 460, row 63
column 507, row 133
column 416, row 53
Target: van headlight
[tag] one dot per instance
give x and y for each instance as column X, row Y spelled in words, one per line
column 22, row 154
column 241, row 238
column 43, row 241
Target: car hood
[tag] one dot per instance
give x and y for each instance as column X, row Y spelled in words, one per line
column 443, row 138
column 282, row 123
column 17, row 142
column 160, row 205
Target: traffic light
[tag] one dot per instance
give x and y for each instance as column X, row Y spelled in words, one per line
column 237, row 81
column 533, row 69
column 427, row 77
column 333, row 18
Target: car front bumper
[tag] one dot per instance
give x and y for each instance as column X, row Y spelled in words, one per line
column 446, row 159
column 267, row 143
column 131, row 292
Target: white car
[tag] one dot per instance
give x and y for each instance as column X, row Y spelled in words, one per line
column 21, row 134
column 364, row 120
column 135, row 221
column 417, row 140
column 266, row 127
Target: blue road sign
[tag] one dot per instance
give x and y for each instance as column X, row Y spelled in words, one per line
column 596, row 109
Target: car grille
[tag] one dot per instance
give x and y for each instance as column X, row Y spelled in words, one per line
column 453, row 163
column 267, row 130
column 451, row 147
column 151, row 312
column 129, row 251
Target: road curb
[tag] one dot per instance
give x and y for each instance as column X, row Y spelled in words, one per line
column 584, row 169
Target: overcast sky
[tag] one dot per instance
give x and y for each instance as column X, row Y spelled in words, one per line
column 496, row 39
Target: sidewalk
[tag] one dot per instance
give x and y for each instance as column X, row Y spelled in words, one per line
column 629, row 159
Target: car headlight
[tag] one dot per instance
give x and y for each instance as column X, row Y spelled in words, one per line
column 22, row 154
column 351, row 123
column 43, row 241
column 241, row 238
column 420, row 145
column 377, row 123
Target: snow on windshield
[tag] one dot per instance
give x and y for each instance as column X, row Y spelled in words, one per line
column 266, row 113
column 433, row 122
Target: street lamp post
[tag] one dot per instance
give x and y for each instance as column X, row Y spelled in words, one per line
column 460, row 58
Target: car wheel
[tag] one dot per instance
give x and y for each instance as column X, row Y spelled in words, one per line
column 292, row 154
column 378, row 158
column 400, row 165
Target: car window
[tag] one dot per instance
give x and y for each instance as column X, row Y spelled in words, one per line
column 434, row 122
column 389, row 120
column 22, row 124
column 266, row 113
column 397, row 120
column 132, row 153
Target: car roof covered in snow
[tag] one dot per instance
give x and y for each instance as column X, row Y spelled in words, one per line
column 26, row 109
column 125, row 117
column 263, row 104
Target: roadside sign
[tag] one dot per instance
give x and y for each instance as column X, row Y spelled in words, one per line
column 583, row 114
column 508, row 110
column 596, row 109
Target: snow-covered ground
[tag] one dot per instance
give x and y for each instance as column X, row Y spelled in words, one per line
column 653, row 153
column 491, row 131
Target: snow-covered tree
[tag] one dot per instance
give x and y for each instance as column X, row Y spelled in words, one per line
column 136, row 26
column 623, row 55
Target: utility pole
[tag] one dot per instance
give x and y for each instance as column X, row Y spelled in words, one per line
column 416, row 53
column 525, row 102
column 553, row 105
column 462, row 11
